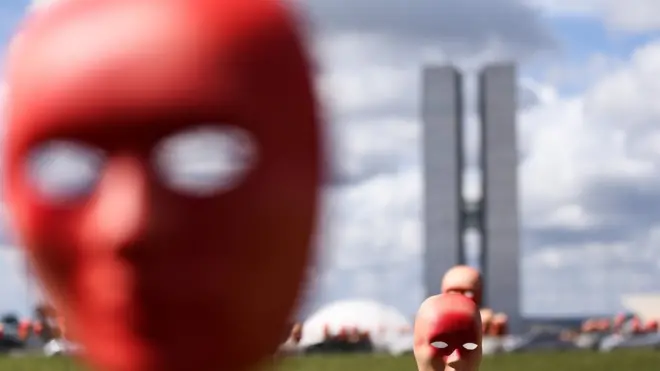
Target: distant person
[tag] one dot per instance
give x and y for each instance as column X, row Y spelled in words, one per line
column 353, row 335
column 37, row 328
column 342, row 335
column 627, row 324
column 297, row 332
column 110, row 105
column 651, row 326
column 46, row 316
column 589, row 326
column 619, row 323
column 447, row 334
column 464, row 280
column 290, row 346
column 61, row 325
column 636, row 326
column 365, row 336
column 24, row 329
column 327, row 334
column 294, row 334
column 499, row 326
column 486, row 319
column 603, row 326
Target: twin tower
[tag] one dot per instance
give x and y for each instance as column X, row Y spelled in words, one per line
column 494, row 216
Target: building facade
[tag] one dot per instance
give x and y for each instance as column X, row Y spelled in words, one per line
column 499, row 165
column 495, row 215
column 442, row 116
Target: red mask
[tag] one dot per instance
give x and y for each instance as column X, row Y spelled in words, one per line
column 133, row 256
column 448, row 334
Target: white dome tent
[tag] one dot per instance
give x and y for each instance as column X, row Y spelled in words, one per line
column 390, row 331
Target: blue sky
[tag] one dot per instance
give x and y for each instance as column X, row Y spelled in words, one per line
column 10, row 16
column 590, row 178
column 581, row 37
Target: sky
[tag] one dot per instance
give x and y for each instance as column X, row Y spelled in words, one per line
column 589, row 171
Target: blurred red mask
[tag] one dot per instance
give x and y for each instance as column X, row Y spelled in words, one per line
column 162, row 165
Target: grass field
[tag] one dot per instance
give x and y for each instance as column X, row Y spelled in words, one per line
column 570, row 361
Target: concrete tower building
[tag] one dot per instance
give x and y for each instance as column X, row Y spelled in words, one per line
column 442, row 115
column 446, row 213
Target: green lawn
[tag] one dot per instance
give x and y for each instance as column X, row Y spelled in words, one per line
column 577, row 361
column 569, row 361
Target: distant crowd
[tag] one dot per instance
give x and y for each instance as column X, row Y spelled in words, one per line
column 594, row 333
column 45, row 326
column 347, row 339
column 622, row 323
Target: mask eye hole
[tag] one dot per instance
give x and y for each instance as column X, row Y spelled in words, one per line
column 470, row 346
column 206, row 160
column 439, row 344
column 62, row 170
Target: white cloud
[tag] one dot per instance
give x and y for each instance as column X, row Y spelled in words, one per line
column 629, row 15
column 458, row 26
column 371, row 83
column 586, row 159
column 589, row 179
column 632, row 15
column 586, row 7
